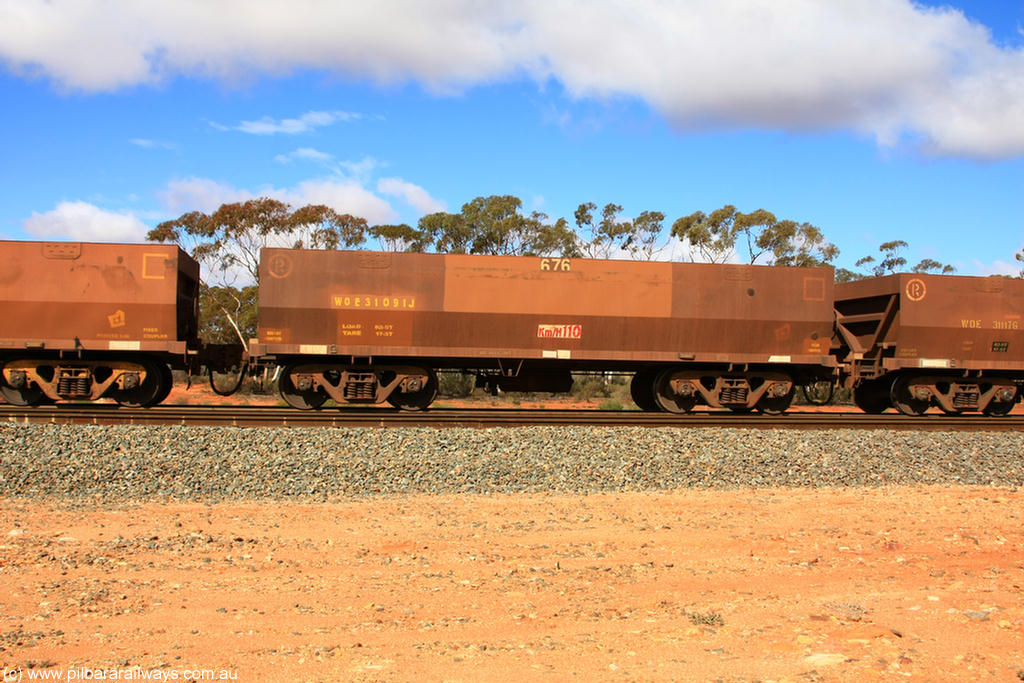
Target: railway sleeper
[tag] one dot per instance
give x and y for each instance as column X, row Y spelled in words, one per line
column 129, row 382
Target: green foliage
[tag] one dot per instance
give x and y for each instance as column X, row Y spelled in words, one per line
column 228, row 314
column 399, row 237
column 601, row 239
column 1020, row 259
column 228, row 241
column 847, row 275
column 892, row 261
column 612, row 388
column 455, row 384
column 639, row 237
column 931, row 266
column 588, row 387
column 447, row 233
column 797, row 244
column 557, row 239
column 706, row 618
column 495, row 225
column 643, row 243
column 715, row 237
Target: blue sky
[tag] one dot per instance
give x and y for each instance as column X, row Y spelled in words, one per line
column 874, row 120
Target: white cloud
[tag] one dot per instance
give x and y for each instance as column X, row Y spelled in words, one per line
column 411, row 194
column 146, row 143
column 305, row 154
column 997, row 268
column 304, row 124
column 342, row 195
column 359, row 170
column 891, row 69
column 86, row 222
column 200, row 194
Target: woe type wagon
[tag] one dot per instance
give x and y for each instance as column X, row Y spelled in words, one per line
column 370, row 327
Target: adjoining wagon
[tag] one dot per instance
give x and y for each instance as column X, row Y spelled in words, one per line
column 84, row 321
column 369, row 327
column 913, row 341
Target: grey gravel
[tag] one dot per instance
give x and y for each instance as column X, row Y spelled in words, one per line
column 123, row 463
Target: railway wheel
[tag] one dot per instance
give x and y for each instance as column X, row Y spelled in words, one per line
column 303, row 399
column 416, row 400
column 819, row 393
column 641, row 390
column 871, row 397
column 998, row 408
column 166, row 384
column 667, row 399
column 776, row 405
column 153, row 389
column 24, row 396
column 904, row 400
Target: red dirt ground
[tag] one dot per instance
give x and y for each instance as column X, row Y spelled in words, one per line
column 200, row 394
column 755, row 585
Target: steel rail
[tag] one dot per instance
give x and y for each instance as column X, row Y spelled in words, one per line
column 269, row 416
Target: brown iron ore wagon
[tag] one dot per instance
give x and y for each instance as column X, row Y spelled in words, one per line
column 369, row 327
column 86, row 321
column 912, row 341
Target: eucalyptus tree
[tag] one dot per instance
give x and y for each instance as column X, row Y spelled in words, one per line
column 890, row 261
column 762, row 237
column 228, row 241
column 496, row 225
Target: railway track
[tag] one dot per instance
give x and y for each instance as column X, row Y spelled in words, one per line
column 270, row 416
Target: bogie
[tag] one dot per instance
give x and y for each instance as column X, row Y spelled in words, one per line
column 308, row 386
column 136, row 381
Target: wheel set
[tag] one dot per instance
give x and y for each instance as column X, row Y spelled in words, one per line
column 136, row 382
column 680, row 390
column 913, row 395
column 308, row 386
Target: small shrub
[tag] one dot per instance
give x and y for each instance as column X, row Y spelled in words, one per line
column 587, row 387
column 455, row 384
column 705, row 618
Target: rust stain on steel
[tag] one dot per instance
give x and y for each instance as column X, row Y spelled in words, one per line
column 365, row 303
column 971, row 322
column 105, row 296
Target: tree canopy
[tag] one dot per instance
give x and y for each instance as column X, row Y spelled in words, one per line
column 762, row 236
column 602, row 238
column 228, row 241
column 399, row 237
column 495, row 225
column 609, row 236
column 891, row 261
column 227, row 314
